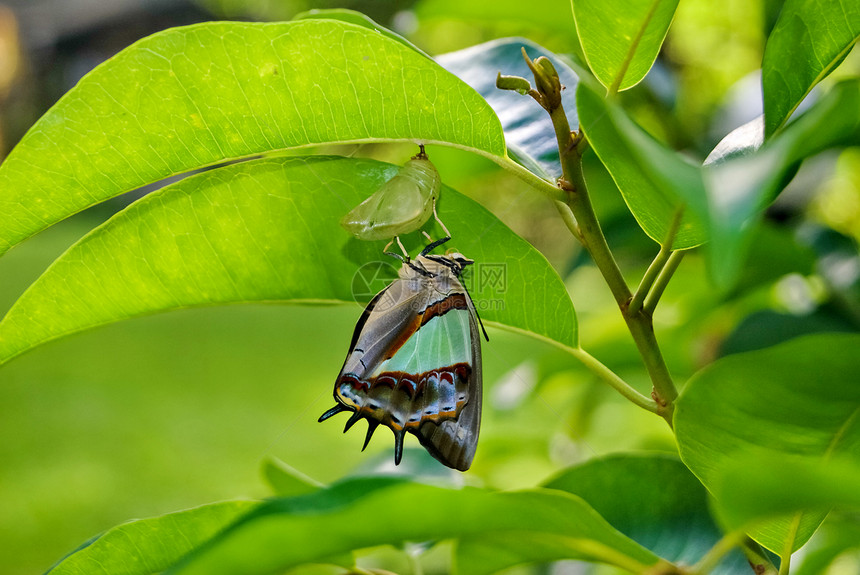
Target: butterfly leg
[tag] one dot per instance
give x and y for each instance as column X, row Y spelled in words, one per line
column 404, row 258
column 402, row 249
column 436, row 216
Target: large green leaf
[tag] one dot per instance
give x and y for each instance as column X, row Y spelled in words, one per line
column 369, row 512
column 800, row 398
column 724, row 199
column 528, row 129
column 267, row 230
column 654, row 180
column 200, row 95
column 810, row 38
column 815, row 484
column 741, row 184
column 286, row 481
column 357, row 18
column 654, row 500
column 152, row 545
column 621, row 38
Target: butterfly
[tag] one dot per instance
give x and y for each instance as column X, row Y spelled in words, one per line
column 414, row 363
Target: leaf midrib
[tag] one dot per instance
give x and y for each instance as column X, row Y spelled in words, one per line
column 616, row 84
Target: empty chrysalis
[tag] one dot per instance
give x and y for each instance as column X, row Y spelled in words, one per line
column 402, row 205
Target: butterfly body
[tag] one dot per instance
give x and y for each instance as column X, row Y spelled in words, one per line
column 414, row 364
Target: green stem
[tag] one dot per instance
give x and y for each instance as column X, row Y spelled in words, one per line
column 757, row 558
column 716, row 553
column 656, row 266
column 662, row 281
column 759, row 562
column 785, row 558
column 648, row 279
column 587, row 226
column 525, row 175
column 591, row 235
column 610, row 377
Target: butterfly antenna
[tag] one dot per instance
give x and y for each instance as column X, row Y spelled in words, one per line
column 477, row 315
column 434, row 245
column 351, row 421
column 333, row 411
column 371, row 427
column 481, row 324
column 398, row 446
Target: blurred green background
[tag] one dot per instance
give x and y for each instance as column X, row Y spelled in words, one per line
column 171, row 411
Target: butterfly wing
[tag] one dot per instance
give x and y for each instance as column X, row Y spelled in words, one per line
column 415, row 365
column 453, row 441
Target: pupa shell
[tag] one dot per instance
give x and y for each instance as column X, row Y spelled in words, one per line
column 401, row 205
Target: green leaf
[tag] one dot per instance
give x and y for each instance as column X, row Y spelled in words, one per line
column 268, row 230
column 747, row 499
column 810, row 38
column 528, row 129
column 357, row 18
column 147, row 546
column 287, row 481
column 369, row 512
column 200, row 95
column 741, row 177
column 740, row 188
column 741, row 142
column 654, row 181
column 654, row 500
column 621, row 38
column 797, row 399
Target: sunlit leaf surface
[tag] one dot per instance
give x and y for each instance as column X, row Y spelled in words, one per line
column 196, row 96
column 810, row 38
column 268, row 230
column 375, row 511
column 654, row 180
column 621, row 38
column 152, row 545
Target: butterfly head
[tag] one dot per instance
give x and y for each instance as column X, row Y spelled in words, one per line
column 453, row 263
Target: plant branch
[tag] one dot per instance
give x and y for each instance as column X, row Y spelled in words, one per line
column 591, row 236
column 657, row 265
column 610, row 377
column 785, row 557
column 662, row 281
column 527, row 176
column 587, row 228
column 716, row 553
column 759, row 562
column 758, row 559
